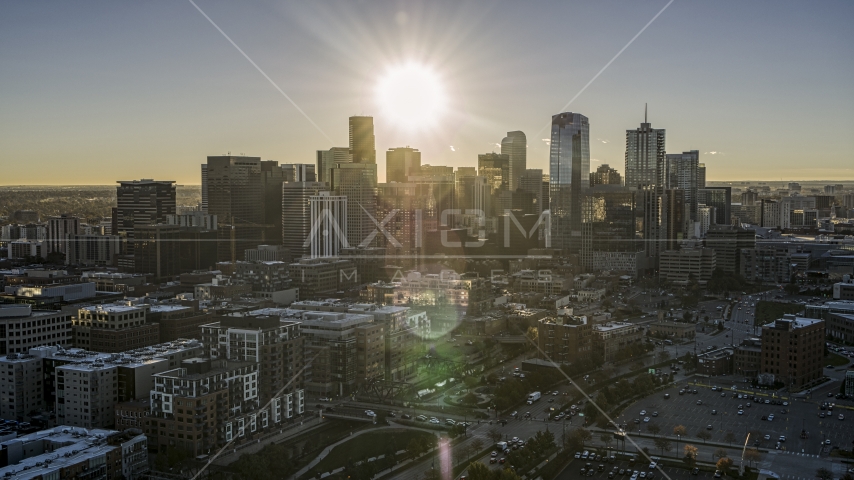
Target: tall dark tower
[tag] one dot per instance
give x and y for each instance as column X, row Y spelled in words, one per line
column 645, row 156
column 569, row 176
column 362, row 142
column 142, row 202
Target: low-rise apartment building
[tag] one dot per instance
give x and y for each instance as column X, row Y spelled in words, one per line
column 565, row 339
column 792, row 351
column 609, row 338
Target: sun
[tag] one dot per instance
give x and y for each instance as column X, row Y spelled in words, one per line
column 411, row 96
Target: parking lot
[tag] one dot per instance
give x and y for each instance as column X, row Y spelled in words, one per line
column 695, row 412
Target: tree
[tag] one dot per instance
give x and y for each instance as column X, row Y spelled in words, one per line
column 470, row 382
column 532, row 334
column 724, row 464
column 469, row 398
column 506, row 474
column 494, row 434
column 653, row 429
column 824, row 474
column 691, row 453
column 663, row 444
column 476, row 445
column 584, row 435
column 720, row 453
column 730, row 437
column 413, row 448
column 679, row 431
column 606, row 438
column 55, row 258
column 752, row 455
column 704, row 435
column 479, row 471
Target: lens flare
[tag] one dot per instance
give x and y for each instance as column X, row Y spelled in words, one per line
column 411, row 96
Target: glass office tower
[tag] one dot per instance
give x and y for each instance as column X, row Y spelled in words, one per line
column 569, row 176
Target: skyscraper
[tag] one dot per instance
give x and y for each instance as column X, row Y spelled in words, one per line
column 721, row 199
column 59, row 229
column 358, row 182
column 204, row 205
column 328, row 224
column 296, row 215
column 532, row 182
column 236, row 196
column 515, row 145
column 605, row 175
column 569, row 177
column 683, row 173
column 362, row 143
column 645, row 156
column 272, row 177
column 496, row 168
column 142, row 202
column 701, row 175
column 327, row 159
column 609, row 235
column 400, row 163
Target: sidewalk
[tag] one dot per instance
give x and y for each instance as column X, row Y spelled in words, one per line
column 234, row 453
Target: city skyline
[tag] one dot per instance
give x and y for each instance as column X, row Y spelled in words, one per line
column 119, row 103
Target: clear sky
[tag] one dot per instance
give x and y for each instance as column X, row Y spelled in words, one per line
column 97, row 91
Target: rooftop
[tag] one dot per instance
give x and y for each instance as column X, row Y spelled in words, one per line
column 610, row 326
column 795, row 321
column 65, row 446
column 113, row 308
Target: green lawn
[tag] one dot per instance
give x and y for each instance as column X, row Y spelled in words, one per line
column 836, row 360
column 767, row 312
column 368, row 445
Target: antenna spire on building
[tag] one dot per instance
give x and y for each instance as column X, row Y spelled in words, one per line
column 644, row 113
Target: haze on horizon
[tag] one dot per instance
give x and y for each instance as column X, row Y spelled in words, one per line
column 93, row 92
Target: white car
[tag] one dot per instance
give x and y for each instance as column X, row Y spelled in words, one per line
column 435, row 421
column 370, row 413
column 741, row 412
column 841, row 417
column 645, row 419
column 643, row 412
column 653, row 465
column 771, row 417
column 782, row 438
column 767, row 437
column 325, row 399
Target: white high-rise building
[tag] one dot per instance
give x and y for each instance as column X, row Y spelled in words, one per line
column 58, row 230
column 328, row 224
column 515, row 144
column 296, row 215
column 204, row 206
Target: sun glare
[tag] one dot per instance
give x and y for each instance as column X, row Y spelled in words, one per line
column 411, row 96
